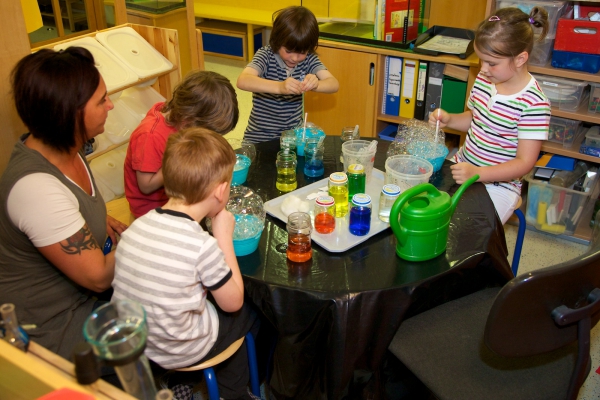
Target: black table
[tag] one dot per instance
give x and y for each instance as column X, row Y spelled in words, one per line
column 337, row 313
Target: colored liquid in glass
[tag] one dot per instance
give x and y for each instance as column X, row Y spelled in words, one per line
column 356, row 184
column 299, row 248
column 324, row 222
column 314, row 168
column 360, row 221
column 340, row 195
column 286, row 179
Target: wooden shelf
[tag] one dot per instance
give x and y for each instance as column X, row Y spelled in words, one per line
column 581, row 114
column 564, row 73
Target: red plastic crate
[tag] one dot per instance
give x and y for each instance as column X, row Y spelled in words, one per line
column 578, row 36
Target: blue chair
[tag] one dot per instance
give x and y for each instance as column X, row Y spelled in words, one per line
column 520, row 237
column 209, row 373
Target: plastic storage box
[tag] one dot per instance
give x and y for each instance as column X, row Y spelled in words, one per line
column 109, row 169
column 567, row 94
column 578, row 35
column 577, row 61
column 555, row 10
column 541, row 52
column 554, row 209
column 594, row 105
column 592, row 136
column 563, row 131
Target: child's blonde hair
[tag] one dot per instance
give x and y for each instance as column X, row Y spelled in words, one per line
column 509, row 31
column 206, row 99
column 196, row 160
column 296, row 29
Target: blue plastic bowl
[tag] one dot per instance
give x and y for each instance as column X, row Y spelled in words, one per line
column 240, row 175
column 243, row 247
column 424, row 150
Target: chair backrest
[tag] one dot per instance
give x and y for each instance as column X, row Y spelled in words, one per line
column 520, row 322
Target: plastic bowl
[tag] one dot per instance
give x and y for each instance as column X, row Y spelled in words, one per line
column 407, row 171
column 240, row 171
column 243, row 247
column 426, row 150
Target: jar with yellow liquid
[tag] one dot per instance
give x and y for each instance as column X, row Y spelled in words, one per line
column 286, row 171
column 338, row 189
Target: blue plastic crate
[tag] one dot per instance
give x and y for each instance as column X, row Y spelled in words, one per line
column 577, row 61
column 389, row 133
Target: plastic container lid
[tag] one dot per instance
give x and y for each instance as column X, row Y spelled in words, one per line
column 391, row 190
column 361, row 199
column 338, row 177
column 325, row 201
column 356, row 169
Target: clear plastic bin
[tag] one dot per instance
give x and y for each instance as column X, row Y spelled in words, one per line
column 555, row 10
column 554, row 209
column 140, row 99
column 567, row 94
column 121, row 122
column 594, row 104
column 563, row 131
column 592, row 136
column 109, row 169
column 541, row 52
column 577, row 61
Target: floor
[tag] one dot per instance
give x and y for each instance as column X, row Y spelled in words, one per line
column 539, row 249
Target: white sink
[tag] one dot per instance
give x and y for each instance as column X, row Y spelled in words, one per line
column 115, row 73
column 134, row 51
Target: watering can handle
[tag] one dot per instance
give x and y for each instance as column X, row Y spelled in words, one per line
column 399, row 203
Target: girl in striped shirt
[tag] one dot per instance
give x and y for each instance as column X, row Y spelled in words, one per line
column 508, row 114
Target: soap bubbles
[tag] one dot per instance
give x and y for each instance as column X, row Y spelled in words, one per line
column 249, row 212
column 420, row 139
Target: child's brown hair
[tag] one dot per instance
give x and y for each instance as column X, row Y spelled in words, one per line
column 196, row 160
column 296, row 29
column 206, row 99
column 509, row 31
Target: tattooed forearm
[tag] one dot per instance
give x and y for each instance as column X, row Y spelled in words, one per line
column 81, row 240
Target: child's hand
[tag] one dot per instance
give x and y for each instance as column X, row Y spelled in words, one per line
column 310, row 82
column 291, row 86
column 441, row 115
column 223, row 224
column 463, row 171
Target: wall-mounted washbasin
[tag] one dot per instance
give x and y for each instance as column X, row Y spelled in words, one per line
column 114, row 72
column 134, row 51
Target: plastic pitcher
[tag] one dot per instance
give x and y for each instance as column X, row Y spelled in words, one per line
column 420, row 218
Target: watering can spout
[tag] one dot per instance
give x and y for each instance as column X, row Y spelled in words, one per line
column 460, row 192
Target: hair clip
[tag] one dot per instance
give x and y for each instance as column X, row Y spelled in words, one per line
column 494, row 18
column 531, row 21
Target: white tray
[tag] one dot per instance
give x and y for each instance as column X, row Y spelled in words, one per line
column 340, row 239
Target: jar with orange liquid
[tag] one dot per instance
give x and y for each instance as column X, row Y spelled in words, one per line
column 324, row 214
column 299, row 227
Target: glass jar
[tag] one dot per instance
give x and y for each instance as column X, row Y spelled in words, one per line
column 313, row 157
column 324, row 214
column 348, row 133
column 299, row 248
column 357, row 180
column 13, row 333
column 360, row 214
column 387, row 198
column 286, row 171
column 338, row 189
column 288, row 141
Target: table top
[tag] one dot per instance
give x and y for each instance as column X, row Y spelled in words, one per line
column 339, row 311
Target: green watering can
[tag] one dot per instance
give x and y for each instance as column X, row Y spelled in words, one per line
column 420, row 218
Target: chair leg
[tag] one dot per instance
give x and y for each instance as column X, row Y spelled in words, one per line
column 211, row 384
column 253, row 365
column 519, row 242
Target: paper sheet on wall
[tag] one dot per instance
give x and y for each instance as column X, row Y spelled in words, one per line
column 446, row 44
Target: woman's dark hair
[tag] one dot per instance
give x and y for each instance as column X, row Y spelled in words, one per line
column 51, row 90
column 296, row 29
column 509, row 31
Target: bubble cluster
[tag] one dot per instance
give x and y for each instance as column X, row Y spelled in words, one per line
column 247, row 226
column 412, row 131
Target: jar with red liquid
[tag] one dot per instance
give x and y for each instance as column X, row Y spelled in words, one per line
column 324, row 214
column 299, row 226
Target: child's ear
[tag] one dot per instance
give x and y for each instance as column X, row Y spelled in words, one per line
column 220, row 190
column 521, row 59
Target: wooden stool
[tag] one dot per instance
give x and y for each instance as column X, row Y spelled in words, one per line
column 209, row 373
column 520, row 237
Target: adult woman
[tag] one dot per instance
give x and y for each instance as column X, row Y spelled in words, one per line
column 52, row 218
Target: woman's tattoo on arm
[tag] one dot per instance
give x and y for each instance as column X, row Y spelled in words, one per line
column 81, row 240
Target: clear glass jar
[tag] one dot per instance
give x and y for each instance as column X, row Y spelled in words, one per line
column 360, row 214
column 349, row 133
column 13, row 333
column 324, row 214
column 387, row 198
column 357, row 180
column 338, row 189
column 286, row 171
column 299, row 228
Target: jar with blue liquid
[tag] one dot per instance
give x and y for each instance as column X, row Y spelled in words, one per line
column 360, row 214
column 313, row 158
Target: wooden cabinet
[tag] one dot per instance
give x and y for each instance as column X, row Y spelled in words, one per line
column 355, row 101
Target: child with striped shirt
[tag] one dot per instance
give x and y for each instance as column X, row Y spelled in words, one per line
column 508, row 114
column 169, row 264
column 281, row 72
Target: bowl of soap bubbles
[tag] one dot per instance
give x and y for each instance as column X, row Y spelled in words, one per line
column 304, row 132
column 419, row 139
column 245, row 153
column 249, row 213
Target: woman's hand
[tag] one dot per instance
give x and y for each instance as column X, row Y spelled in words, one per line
column 463, row 171
column 114, row 227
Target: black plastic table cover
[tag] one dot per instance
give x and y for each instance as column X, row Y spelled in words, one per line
column 338, row 312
